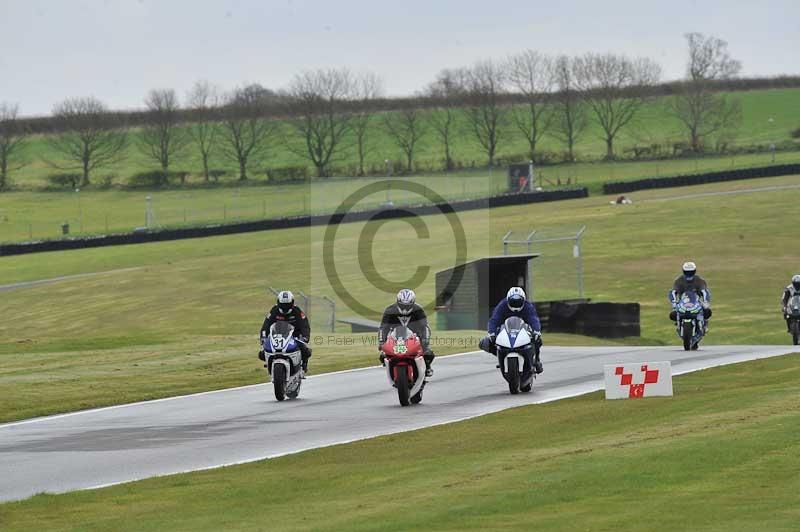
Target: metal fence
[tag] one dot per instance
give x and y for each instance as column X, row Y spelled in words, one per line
column 558, row 271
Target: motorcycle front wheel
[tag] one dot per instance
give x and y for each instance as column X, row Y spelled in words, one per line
column 279, row 381
column 513, row 378
column 687, row 337
column 795, row 332
column 402, row 386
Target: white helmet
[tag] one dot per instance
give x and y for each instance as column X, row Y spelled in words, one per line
column 405, row 301
column 285, row 302
column 689, row 269
column 796, row 282
column 515, row 298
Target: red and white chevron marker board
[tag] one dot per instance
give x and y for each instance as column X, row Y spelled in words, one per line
column 635, row 380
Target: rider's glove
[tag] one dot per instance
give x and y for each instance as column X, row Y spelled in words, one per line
column 537, row 338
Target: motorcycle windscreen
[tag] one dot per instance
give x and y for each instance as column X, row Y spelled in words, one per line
column 401, row 332
column 280, row 336
column 794, row 305
column 689, row 302
column 516, row 332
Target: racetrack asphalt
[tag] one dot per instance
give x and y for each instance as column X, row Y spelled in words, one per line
column 122, row 443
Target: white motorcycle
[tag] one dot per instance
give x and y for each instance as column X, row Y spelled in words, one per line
column 284, row 361
column 515, row 350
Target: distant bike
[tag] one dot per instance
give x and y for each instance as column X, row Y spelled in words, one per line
column 792, row 312
column 690, row 320
column 515, row 351
column 284, row 360
column 405, row 365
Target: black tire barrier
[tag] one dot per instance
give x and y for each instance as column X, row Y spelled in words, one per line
column 701, row 179
column 602, row 320
column 284, row 223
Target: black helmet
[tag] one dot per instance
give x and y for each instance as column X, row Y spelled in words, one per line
column 796, row 282
column 285, row 302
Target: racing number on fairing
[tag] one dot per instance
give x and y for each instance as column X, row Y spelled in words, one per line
column 278, row 342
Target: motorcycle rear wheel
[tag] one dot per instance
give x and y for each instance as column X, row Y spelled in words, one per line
column 279, row 381
column 402, row 386
column 513, row 378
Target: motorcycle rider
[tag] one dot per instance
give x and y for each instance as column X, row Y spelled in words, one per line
column 788, row 293
column 690, row 281
column 514, row 304
column 286, row 310
column 405, row 311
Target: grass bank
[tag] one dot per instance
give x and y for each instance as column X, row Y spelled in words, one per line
column 720, row 455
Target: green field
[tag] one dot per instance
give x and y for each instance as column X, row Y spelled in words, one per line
column 653, row 125
column 189, row 314
column 26, row 213
column 723, row 454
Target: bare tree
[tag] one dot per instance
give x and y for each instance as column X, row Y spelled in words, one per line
column 368, row 87
column 204, row 99
column 406, row 127
column 161, row 138
column 531, row 74
column 320, row 102
column 447, row 93
column 12, row 142
column 701, row 111
column 570, row 117
column 615, row 87
column 245, row 130
column 93, row 139
column 485, row 114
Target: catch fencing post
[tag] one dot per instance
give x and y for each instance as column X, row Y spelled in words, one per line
column 333, row 312
column 579, row 257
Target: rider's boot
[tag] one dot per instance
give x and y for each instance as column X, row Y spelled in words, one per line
column 428, row 357
column 537, row 364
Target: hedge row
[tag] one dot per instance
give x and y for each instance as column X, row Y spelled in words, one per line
column 700, row 179
column 284, row 223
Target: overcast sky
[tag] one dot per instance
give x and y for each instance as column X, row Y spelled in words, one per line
column 117, row 50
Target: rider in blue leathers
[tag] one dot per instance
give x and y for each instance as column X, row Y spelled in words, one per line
column 514, row 304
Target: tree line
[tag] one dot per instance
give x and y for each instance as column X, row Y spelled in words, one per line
column 332, row 111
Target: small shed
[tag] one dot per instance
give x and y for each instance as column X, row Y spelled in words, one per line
column 466, row 294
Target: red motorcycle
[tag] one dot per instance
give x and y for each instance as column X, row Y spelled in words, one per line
column 405, row 365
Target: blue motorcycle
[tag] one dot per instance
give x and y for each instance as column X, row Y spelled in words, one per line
column 284, row 361
column 691, row 323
